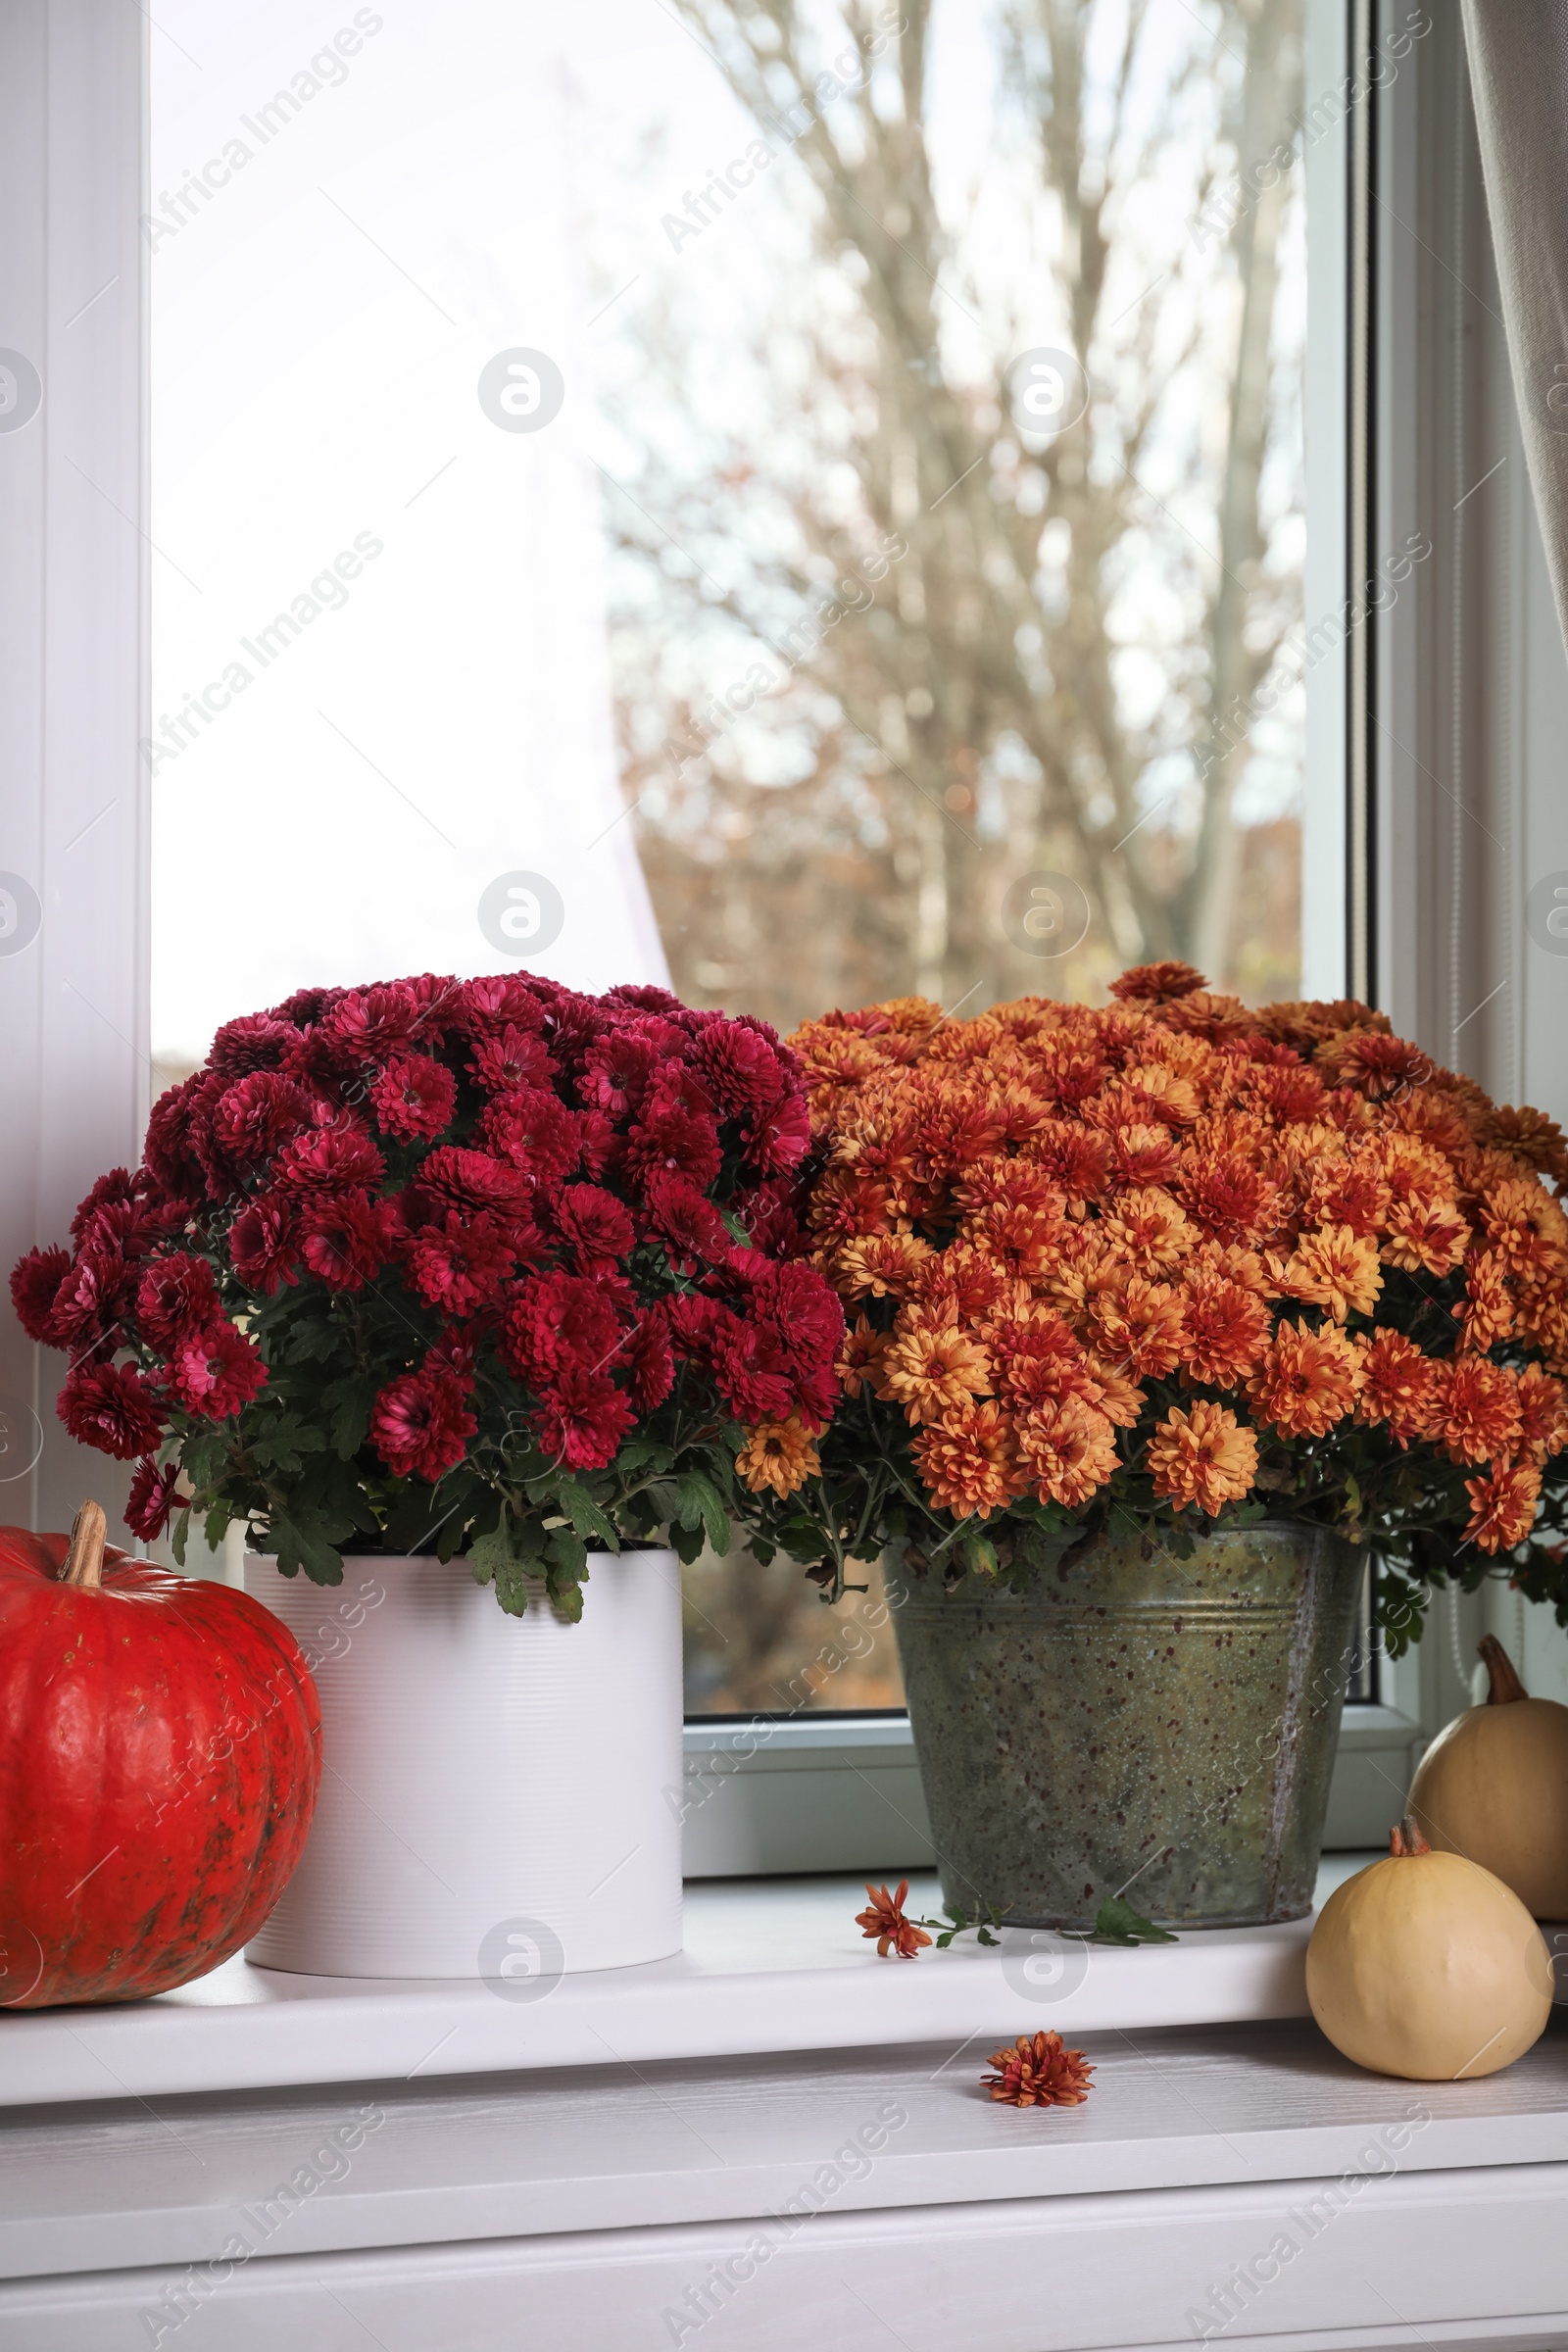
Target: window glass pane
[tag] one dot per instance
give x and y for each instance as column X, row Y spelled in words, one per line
column 379, row 655
column 805, row 501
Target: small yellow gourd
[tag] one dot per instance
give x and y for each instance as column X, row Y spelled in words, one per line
column 1494, row 1786
column 1425, row 1965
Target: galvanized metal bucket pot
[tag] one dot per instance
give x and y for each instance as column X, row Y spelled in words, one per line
column 1135, row 1724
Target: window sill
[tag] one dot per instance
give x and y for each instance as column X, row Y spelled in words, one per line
column 768, row 1966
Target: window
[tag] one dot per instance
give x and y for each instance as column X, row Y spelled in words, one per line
column 912, row 556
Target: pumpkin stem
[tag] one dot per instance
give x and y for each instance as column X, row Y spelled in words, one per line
column 84, row 1561
column 1506, row 1686
column 1407, row 1839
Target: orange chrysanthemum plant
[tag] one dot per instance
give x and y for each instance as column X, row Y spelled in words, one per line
column 1173, row 1265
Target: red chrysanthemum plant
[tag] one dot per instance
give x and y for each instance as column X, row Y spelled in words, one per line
column 1170, row 1265
column 485, row 1268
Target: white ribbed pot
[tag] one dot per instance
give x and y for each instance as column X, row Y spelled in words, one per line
column 500, row 1796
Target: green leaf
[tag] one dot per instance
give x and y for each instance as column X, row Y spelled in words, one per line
column 585, row 1514
column 686, row 1542
column 489, row 1556
column 512, row 1585
column 1116, row 1922
column 567, row 1557
column 702, row 1503
column 299, row 1547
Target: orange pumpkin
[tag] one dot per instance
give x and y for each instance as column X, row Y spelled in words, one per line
column 160, row 1753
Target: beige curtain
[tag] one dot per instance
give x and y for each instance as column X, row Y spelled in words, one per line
column 1519, row 72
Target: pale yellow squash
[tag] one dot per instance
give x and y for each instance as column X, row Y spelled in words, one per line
column 1426, row 1966
column 1494, row 1786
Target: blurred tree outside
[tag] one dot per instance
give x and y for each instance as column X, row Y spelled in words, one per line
column 960, row 514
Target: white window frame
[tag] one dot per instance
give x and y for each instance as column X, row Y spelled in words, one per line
column 813, row 1793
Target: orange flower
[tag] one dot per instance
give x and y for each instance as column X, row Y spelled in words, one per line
column 778, row 1454
column 1204, row 1456
column 1308, row 1382
column 1069, row 1448
column 1226, row 1332
column 1158, row 983
column 1140, row 1155
column 1337, row 1268
column 931, row 1367
column 1543, row 1413
column 1121, row 1399
column 1475, row 1410
column 1039, row 2071
column 861, row 1363
column 1487, row 1311
column 963, row 1275
column 1149, row 1227
column 1347, row 1194
column 1397, row 1385
column 1426, row 1236
column 1380, row 1066
column 1230, row 1198
column 1075, row 1159
column 1022, row 1241
column 882, row 1263
column 1036, row 1357
column 1503, row 1507
column 1139, row 1327
column 1007, row 1183
column 847, row 1205
column 884, row 1919
column 969, row 1461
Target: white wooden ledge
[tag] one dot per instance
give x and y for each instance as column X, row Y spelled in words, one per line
column 770, row 1965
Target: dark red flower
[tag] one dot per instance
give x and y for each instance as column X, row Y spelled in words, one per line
column 595, row 1227
column 512, row 1059
column 216, row 1371
column 119, row 1189
column 680, row 1141
column 615, row 1073
column 342, row 1239
column 781, row 1136
column 86, row 1306
column 685, row 1221
column 169, row 1153
column 458, row 1263
column 153, row 1500
column 474, row 1180
column 35, row 1281
column 254, row 1117
column 110, row 1406
column 695, row 1325
column 420, row 1426
column 533, row 1131
column 650, row 1360
column 308, row 1006
column 413, row 1097
column 600, row 1141
column 175, row 1297
column 563, row 1319
column 802, row 1314
column 370, row 1023
column 332, row 1159
column 263, row 1245
column 583, row 1419
column 742, row 1064
column 752, row 1372
column 257, row 1042
column 501, row 1000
